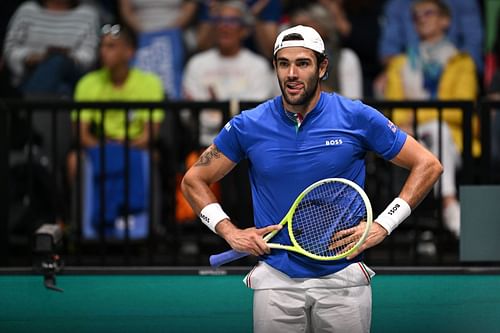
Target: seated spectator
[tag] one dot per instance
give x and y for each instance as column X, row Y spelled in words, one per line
column 49, row 45
column 227, row 71
column 344, row 73
column 434, row 69
column 265, row 14
column 116, row 81
column 398, row 33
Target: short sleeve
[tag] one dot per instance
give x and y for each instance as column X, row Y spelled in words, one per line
column 228, row 141
column 380, row 135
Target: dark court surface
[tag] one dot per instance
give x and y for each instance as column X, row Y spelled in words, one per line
column 202, row 300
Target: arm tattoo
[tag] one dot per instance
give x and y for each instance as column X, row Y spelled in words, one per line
column 207, row 156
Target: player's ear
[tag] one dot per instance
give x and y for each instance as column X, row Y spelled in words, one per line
column 323, row 69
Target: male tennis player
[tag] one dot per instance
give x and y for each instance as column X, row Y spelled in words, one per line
column 291, row 142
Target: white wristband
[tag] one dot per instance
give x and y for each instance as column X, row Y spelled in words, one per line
column 211, row 215
column 397, row 211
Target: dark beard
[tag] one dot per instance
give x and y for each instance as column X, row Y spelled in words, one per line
column 306, row 97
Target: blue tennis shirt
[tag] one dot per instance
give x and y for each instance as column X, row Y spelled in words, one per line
column 284, row 159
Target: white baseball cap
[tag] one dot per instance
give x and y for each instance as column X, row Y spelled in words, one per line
column 310, row 39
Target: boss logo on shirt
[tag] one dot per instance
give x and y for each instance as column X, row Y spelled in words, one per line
column 333, row 142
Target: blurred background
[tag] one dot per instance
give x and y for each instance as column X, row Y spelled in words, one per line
column 105, row 104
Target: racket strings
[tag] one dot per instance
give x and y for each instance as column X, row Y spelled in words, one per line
column 322, row 213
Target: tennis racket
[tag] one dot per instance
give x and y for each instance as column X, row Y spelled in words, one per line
column 329, row 220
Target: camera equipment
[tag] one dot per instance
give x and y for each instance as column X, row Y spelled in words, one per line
column 47, row 241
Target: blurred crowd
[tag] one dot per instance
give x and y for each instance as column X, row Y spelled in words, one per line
column 220, row 50
column 48, row 45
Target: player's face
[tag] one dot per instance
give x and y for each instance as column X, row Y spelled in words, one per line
column 298, row 74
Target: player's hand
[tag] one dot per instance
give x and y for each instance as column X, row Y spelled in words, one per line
column 376, row 235
column 250, row 240
column 346, row 239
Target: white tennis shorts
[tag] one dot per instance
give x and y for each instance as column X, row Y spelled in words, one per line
column 339, row 302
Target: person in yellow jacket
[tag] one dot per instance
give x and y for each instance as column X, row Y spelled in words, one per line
column 435, row 70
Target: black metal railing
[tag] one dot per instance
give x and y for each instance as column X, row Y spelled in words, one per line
column 167, row 239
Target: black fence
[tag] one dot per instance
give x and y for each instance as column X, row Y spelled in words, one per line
column 37, row 138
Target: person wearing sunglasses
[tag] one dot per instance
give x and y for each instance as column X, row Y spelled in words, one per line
column 229, row 70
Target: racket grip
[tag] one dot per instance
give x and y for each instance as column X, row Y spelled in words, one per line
column 220, row 259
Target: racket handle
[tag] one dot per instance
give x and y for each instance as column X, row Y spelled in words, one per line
column 220, row 259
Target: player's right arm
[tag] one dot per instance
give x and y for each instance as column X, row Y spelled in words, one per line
column 211, row 167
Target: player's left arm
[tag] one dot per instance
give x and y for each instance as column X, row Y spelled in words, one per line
column 425, row 170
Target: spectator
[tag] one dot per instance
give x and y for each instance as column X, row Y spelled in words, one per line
column 465, row 30
column 49, row 45
column 227, row 71
column 435, row 70
column 265, row 14
column 398, row 33
column 116, row 80
column 344, row 73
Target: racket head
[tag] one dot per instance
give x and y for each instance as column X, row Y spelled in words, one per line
column 324, row 209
